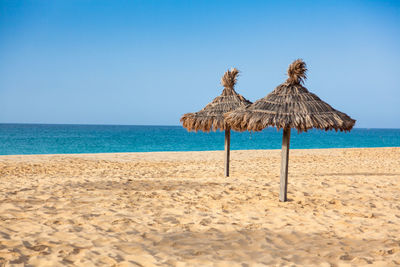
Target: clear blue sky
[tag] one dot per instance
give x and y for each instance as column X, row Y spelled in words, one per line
column 148, row 62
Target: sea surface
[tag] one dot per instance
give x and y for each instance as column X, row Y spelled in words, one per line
column 18, row 139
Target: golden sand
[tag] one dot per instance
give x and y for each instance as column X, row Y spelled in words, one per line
column 177, row 209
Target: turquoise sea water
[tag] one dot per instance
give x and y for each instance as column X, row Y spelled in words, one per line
column 62, row 139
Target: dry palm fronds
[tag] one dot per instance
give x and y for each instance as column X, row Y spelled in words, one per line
column 290, row 105
column 211, row 117
column 297, row 72
column 230, row 77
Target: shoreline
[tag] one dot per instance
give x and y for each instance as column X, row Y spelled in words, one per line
column 177, row 208
column 249, row 150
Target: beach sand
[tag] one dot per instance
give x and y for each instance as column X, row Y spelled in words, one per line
column 177, row 209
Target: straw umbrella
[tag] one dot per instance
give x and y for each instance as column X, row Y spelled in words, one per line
column 211, row 117
column 290, row 105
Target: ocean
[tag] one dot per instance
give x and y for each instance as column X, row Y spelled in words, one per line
column 16, row 139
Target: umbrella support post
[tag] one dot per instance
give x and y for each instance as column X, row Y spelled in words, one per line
column 284, row 165
column 227, row 150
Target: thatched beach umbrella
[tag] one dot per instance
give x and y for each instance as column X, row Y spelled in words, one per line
column 211, row 117
column 290, row 105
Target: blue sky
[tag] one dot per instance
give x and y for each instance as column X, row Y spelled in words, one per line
column 148, row 62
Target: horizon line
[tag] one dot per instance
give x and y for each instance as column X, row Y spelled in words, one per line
column 155, row 125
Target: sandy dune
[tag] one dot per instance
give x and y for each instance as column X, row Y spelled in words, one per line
column 177, row 209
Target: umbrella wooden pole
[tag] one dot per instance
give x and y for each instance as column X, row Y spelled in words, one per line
column 227, row 150
column 284, row 164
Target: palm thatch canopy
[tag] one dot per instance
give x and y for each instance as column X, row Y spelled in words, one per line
column 211, row 117
column 290, row 105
